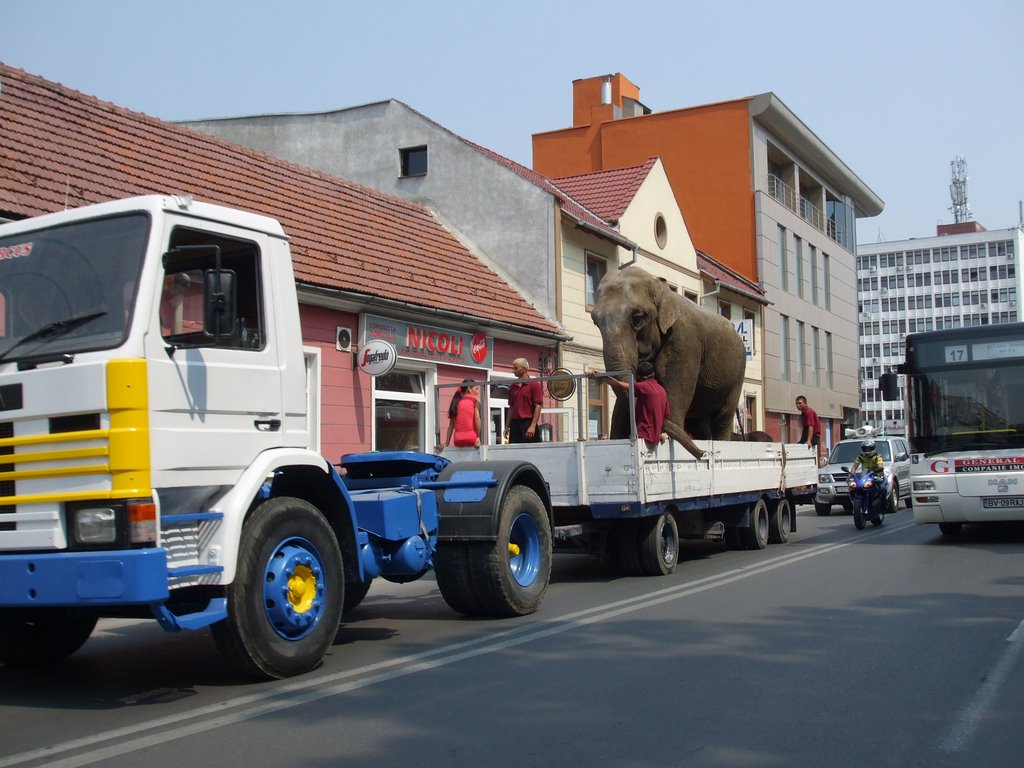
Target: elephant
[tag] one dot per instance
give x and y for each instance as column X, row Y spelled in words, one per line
column 697, row 355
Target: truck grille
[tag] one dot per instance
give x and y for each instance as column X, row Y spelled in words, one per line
column 6, row 486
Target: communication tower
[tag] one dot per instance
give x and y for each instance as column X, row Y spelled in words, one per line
column 958, row 191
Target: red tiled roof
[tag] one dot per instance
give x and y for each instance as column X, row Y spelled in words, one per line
column 60, row 148
column 737, row 282
column 607, row 193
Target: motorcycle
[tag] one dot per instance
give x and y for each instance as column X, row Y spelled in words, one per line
column 869, row 497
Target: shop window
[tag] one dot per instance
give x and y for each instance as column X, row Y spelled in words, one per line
column 399, row 411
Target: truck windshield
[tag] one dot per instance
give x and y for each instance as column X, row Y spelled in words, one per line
column 70, row 288
column 968, row 409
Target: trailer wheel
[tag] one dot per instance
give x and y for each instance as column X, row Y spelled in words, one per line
column 658, row 540
column 42, row 636
column 454, row 578
column 286, row 601
column 512, row 575
column 755, row 535
column 781, row 520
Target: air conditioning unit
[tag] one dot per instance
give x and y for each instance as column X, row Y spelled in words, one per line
column 343, row 339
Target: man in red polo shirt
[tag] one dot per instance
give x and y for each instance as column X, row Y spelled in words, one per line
column 651, row 402
column 810, row 435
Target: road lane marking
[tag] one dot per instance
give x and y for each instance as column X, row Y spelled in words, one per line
column 966, row 724
column 172, row 727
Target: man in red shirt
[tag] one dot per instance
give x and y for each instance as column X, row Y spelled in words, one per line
column 525, row 398
column 651, row 403
column 810, row 435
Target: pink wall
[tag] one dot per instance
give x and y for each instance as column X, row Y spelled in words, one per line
column 346, row 394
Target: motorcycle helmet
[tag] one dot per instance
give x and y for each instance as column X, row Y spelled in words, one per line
column 868, row 447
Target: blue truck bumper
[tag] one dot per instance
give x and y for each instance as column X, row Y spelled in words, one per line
column 120, row 577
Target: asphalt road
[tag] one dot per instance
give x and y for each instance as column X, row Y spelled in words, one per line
column 891, row 646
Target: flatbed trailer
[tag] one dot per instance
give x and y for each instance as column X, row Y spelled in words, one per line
column 620, row 498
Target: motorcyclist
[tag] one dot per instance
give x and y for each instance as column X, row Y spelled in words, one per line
column 870, row 460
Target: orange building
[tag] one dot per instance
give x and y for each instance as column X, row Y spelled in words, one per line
column 767, row 198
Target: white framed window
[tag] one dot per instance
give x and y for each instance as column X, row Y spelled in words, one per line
column 401, row 419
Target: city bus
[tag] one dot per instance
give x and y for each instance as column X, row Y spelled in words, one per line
column 964, row 397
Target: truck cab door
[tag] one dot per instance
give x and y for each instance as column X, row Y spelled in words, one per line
column 215, row 388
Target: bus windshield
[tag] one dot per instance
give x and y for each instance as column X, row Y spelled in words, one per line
column 970, row 409
column 71, row 288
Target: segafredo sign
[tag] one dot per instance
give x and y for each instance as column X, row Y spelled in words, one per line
column 377, row 357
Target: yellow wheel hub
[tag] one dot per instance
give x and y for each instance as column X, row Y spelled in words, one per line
column 301, row 589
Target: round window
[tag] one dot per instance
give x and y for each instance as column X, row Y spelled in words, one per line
column 660, row 230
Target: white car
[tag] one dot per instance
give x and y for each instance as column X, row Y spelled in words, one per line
column 832, row 478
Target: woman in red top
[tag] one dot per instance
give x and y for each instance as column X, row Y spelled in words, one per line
column 464, row 416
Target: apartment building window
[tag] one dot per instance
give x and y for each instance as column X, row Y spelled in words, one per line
column 783, row 260
column 801, row 341
column 828, row 360
column 413, row 161
column 812, row 253
column 783, row 347
column 816, row 355
column 826, row 279
column 798, row 256
column 596, row 269
column 725, row 309
column 749, row 409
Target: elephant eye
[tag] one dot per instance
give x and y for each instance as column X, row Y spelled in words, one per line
column 638, row 319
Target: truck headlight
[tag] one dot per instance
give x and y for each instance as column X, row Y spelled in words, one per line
column 95, row 525
column 924, row 485
column 824, row 479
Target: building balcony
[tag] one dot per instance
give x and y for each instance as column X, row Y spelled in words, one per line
column 805, row 209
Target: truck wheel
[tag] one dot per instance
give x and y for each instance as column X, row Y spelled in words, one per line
column 780, row 522
column 823, row 510
column 513, row 574
column 355, row 591
column 755, row 535
column 454, row 578
column 285, row 603
column 42, row 636
column 658, row 539
column 627, row 546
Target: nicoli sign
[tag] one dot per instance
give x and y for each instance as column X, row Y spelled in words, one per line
column 427, row 342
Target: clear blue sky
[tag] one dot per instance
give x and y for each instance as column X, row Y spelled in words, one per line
column 896, row 88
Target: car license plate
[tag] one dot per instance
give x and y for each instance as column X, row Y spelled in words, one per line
column 1004, row 502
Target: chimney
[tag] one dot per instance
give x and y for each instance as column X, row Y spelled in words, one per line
column 606, row 90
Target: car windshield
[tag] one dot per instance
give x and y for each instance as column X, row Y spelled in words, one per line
column 847, row 453
column 69, row 288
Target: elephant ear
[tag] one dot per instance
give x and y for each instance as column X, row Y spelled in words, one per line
column 667, row 303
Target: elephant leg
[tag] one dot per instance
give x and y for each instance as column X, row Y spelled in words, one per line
column 721, row 425
column 678, row 434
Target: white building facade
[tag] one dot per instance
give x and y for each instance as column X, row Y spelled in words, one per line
column 952, row 280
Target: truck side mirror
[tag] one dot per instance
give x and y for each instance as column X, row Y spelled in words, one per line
column 889, row 386
column 220, row 294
